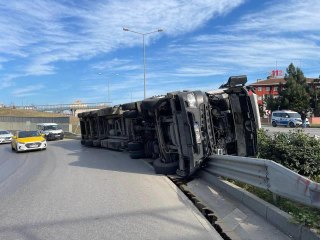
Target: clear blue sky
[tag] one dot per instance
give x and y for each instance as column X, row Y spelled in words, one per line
column 63, row 51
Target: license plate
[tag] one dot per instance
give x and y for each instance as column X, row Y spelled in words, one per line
column 33, row 145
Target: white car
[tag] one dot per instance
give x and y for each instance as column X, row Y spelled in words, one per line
column 5, row 136
column 287, row 118
column 52, row 131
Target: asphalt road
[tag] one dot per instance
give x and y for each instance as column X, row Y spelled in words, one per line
column 310, row 131
column 73, row 192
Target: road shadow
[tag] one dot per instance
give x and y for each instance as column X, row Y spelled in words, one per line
column 101, row 158
column 159, row 217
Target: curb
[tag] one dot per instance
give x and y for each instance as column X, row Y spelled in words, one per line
column 275, row 216
column 203, row 221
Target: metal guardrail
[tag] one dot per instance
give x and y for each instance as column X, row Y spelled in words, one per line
column 268, row 175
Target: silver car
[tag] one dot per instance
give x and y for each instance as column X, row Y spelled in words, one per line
column 5, row 136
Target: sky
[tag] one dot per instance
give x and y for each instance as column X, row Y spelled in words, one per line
column 62, row 51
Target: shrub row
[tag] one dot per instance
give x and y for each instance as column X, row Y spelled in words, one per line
column 294, row 150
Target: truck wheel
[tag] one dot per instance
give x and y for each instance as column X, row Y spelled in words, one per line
column 150, row 104
column 165, row 168
column 83, row 142
column 274, row 124
column 137, row 154
column 131, row 114
column 292, row 125
column 135, row 146
column 129, row 106
column 88, row 143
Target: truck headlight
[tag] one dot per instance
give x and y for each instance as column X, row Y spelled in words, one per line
column 191, row 100
column 197, row 132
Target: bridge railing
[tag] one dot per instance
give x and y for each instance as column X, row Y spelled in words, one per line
column 61, row 107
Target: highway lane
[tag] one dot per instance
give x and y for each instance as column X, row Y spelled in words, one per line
column 310, row 131
column 72, row 192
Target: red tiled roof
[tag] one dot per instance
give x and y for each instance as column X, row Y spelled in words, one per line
column 275, row 81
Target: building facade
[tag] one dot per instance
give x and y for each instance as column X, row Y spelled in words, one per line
column 272, row 86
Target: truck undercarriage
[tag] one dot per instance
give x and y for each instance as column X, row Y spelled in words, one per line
column 180, row 129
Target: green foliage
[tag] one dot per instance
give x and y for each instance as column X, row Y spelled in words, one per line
column 298, row 152
column 295, row 93
column 301, row 214
column 294, row 150
column 272, row 103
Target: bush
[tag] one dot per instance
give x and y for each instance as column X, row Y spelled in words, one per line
column 294, row 150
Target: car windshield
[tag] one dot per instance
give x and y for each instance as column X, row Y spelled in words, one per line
column 4, row 132
column 294, row 115
column 52, row 127
column 26, row 134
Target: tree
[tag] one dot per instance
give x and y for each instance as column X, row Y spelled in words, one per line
column 272, row 103
column 295, row 93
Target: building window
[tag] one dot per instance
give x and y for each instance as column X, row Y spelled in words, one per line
column 259, row 98
column 267, row 89
column 275, row 89
column 259, row 89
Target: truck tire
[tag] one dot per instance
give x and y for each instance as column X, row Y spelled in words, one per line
column 150, row 104
column 165, row 168
column 83, row 142
column 137, row 154
column 129, row 106
column 135, row 146
column 89, row 143
column 131, row 114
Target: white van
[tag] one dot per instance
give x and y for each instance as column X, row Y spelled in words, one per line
column 287, row 118
column 52, row 130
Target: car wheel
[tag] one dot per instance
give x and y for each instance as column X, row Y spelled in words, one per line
column 165, row 168
column 274, row 124
column 291, row 124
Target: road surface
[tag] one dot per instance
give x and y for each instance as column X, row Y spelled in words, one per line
column 72, row 192
column 310, row 131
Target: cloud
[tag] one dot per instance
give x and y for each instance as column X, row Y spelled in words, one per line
column 50, row 31
column 281, row 33
column 116, row 65
column 27, row 91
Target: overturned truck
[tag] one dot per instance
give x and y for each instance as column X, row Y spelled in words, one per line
column 179, row 130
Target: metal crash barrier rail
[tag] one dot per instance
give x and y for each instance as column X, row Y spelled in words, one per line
column 266, row 174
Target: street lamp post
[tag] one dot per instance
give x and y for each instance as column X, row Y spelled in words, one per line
column 144, row 55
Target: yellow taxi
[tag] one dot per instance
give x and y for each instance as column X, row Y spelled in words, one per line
column 28, row 140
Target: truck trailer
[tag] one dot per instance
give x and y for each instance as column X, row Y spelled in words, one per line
column 179, row 130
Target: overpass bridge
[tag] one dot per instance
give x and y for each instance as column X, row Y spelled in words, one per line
column 73, row 107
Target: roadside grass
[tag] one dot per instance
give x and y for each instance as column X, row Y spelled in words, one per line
column 307, row 216
column 300, row 153
column 26, row 113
